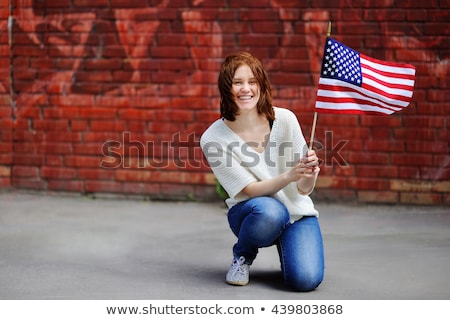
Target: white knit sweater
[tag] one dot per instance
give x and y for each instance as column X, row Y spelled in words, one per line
column 236, row 164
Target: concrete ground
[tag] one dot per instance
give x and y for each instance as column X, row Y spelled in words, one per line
column 77, row 248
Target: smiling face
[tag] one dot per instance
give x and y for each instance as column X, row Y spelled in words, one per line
column 245, row 88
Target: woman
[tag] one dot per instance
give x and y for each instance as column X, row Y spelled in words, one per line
column 260, row 157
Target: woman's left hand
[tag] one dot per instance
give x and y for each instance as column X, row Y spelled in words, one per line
column 309, row 164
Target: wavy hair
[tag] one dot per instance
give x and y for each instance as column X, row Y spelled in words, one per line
column 228, row 108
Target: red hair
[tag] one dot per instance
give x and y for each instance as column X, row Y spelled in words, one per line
column 228, row 108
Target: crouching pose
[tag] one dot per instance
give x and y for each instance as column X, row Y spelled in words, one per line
column 259, row 155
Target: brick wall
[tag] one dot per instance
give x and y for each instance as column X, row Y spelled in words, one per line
column 6, row 120
column 111, row 96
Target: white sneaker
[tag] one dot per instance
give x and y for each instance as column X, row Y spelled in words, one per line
column 238, row 273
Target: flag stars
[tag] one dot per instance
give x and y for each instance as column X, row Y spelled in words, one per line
column 341, row 63
column 343, row 69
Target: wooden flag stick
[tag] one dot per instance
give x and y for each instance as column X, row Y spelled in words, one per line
column 313, row 129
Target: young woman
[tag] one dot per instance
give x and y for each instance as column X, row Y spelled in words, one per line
column 259, row 155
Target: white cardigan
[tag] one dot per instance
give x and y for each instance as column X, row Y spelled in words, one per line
column 236, row 164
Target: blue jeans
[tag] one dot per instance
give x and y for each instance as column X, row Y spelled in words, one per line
column 264, row 221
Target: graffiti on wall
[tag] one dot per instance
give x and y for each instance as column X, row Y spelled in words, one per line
column 142, row 56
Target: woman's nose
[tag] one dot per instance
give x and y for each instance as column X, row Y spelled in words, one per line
column 245, row 87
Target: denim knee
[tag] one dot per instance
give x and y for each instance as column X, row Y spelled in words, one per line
column 259, row 221
column 305, row 282
column 272, row 209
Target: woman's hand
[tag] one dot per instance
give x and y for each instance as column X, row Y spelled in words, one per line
column 309, row 165
column 304, row 174
column 306, row 167
column 307, row 170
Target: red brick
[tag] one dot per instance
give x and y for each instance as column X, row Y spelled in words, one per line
column 25, row 171
column 94, row 76
column 55, row 88
column 161, row 127
column 57, row 112
column 420, row 198
column 90, row 3
column 5, row 183
column 82, row 161
column 441, row 160
column 54, row 160
column 21, row 124
column 5, row 112
column 415, row 134
column 358, row 183
column 45, row 4
column 135, row 175
column 385, row 15
column 95, row 174
column 137, row 126
column 175, row 116
column 376, row 171
column 134, row 114
column 150, row 102
column 78, row 125
column 24, row 183
column 417, row 15
column 57, row 173
column 5, row 171
column 263, row 40
column 409, row 4
column 368, row 158
column 31, row 51
column 50, row 148
column 72, row 100
column 112, row 102
column 28, row 159
column 334, row 195
column 141, row 188
column 412, row 159
column 98, row 113
column 438, row 15
column 425, row 147
column 257, row 14
column 128, row 4
column 169, row 52
column 378, row 197
column 106, row 126
column 54, row 136
column 6, row 158
column 441, row 186
column 385, row 145
column 66, row 185
column 87, row 148
column 47, row 125
column 24, row 74
column 435, row 173
column 433, row 28
column 181, row 191
column 438, row 95
column 381, row 121
column 103, row 187
column 334, row 182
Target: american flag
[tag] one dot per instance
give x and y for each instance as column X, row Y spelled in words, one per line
column 353, row 83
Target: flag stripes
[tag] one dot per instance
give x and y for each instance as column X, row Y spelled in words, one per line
column 353, row 83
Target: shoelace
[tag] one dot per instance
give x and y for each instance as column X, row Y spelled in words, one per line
column 237, row 266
